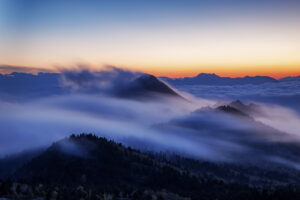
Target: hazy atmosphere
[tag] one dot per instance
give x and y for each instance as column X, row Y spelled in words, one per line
column 149, row 100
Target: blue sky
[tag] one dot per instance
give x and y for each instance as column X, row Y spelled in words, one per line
column 156, row 36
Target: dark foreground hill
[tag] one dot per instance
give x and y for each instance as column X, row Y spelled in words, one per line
column 9, row 164
column 89, row 167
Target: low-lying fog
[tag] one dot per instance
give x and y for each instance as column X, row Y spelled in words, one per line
column 155, row 121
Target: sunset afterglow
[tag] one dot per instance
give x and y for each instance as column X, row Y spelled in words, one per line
column 173, row 38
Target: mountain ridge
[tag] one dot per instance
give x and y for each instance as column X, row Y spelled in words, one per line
column 213, row 79
column 109, row 167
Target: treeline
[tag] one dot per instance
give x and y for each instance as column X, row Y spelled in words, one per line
column 88, row 167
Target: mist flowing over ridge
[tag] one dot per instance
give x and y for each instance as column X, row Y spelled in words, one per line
column 95, row 162
column 142, row 111
column 112, row 81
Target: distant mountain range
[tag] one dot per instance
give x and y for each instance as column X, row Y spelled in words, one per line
column 26, row 85
column 290, row 78
column 213, row 79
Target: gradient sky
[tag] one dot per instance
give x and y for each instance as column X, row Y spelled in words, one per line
column 166, row 37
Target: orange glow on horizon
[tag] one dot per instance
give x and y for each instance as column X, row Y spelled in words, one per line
column 232, row 74
column 276, row 72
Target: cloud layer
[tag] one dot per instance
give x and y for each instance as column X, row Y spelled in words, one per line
column 189, row 126
column 286, row 94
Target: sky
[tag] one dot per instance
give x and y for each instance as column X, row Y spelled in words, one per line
column 166, row 38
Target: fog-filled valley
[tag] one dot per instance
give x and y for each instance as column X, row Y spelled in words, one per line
column 244, row 125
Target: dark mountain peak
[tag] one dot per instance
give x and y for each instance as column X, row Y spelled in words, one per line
column 145, row 84
column 239, row 108
column 88, row 143
column 77, row 145
column 147, row 77
column 237, row 104
column 249, row 109
column 231, row 110
column 207, row 75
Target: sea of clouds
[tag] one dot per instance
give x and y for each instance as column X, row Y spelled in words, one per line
column 285, row 93
column 190, row 126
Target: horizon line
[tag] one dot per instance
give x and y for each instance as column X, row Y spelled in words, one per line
column 8, row 69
